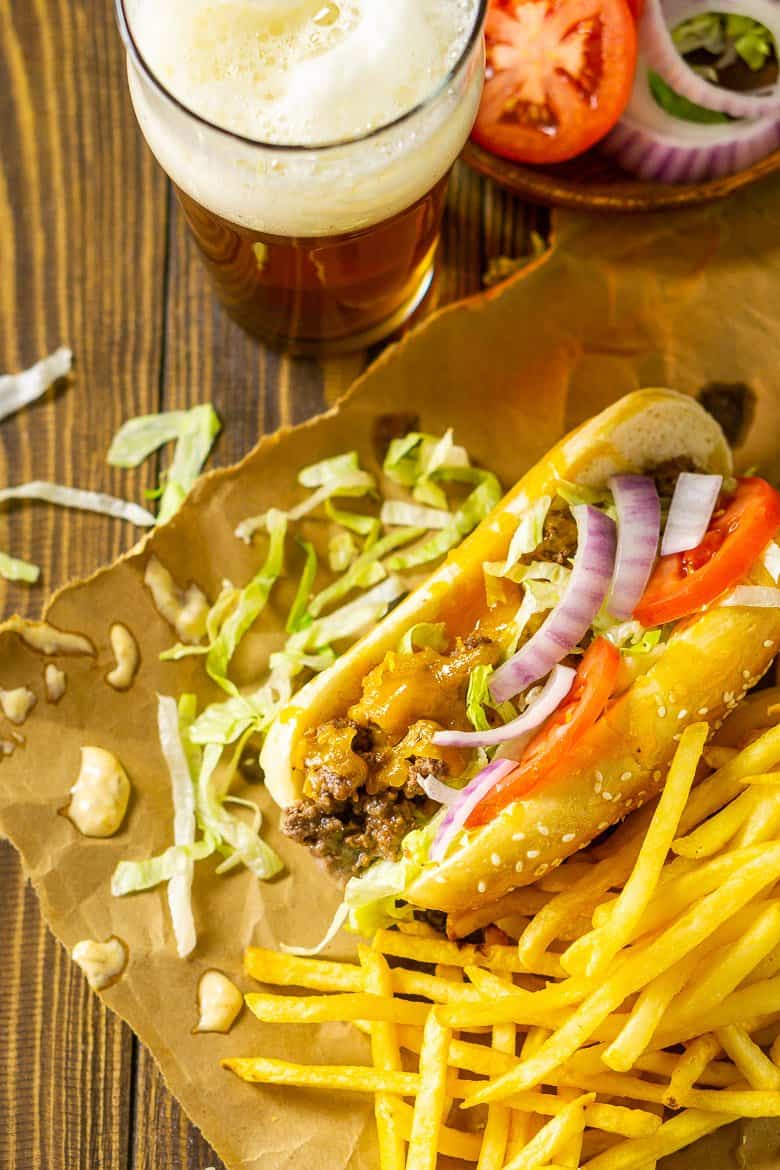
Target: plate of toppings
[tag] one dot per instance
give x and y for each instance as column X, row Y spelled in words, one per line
column 629, row 105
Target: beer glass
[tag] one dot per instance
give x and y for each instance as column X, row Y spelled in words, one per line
column 314, row 248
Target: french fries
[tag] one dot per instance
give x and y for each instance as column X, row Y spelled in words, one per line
column 674, row 933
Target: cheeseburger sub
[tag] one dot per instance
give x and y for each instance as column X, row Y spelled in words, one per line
column 532, row 691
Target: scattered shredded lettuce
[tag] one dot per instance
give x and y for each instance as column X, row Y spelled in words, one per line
column 194, row 432
column 529, row 533
column 228, row 830
column 357, row 522
column 575, row 493
column 726, row 36
column 362, row 572
column 354, row 618
column 18, row 390
column 414, row 460
column 340, row 476
column 401, row 513
column 84, row 501
column 343, row 551
column 478, row 698
column 12, row 569
column 430, row 634
column 472, row 511
column 375, row 900
column 297, row 616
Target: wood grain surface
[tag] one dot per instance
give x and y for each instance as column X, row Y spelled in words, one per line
column 93, row 254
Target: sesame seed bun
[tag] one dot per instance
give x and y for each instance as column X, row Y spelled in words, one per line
column 619, row 764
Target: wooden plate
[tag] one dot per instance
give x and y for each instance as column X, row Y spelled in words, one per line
column 595, row 183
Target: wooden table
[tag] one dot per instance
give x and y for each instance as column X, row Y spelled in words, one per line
column 93, row 254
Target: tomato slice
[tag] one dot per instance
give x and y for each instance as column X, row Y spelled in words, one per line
column 637, row 8
column 559, row 75
column 548, row 750
column 741, row 528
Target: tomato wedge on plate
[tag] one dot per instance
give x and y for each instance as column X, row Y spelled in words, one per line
column 583, row 705
column 741, row 528
column 559, row 75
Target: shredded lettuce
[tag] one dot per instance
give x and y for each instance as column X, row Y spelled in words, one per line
column 474, row 509
column 134, row 877
column 772, row 561
column 357, row 522
column 340, row 476
column 12, row 569
column 84, row 501
column 194, row 432
column 375, row 900
column 342, row 551
column 401, row 513
column 431, row 634
column 726, row 36
column 529, row 533
column 478, row 696
column 631, row 637
column 354, row 618
column 18, row 390
column 681, row 107
column 228, row 830
column 298, row 610
column 414, row 460
column 250, row 604
column 362, row 572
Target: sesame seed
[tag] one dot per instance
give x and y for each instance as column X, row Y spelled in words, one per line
column 543, row 830
column 518, row 836
column 728, row 697
column 661, row 712
column 702, row 711
column 597, row 788
column 481, row 887
column 567, row 837
column 604, row 825
column 682, row 713
column 532, row 853
column 599, row 775
column 496, row 859
column 768, row 644
column 519, row 866
column 626, row 775
column 677, row 736
column 540, row 871
column 746, row 674
column 642, row 794
column 657, row 774
column 607, row 795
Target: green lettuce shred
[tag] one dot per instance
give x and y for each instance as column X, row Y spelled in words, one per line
column 375, row 900
column 297, row 616
column 343, row 551
column 362, row 572
column 12, row 569
column 424, row 634
column 417, row 460
column 482, row 500
column 726, row 36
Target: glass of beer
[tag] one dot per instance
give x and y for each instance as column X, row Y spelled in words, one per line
column 309, row 143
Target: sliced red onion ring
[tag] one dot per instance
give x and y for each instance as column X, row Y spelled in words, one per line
column 462, row 809
column 662, row 55
column 441, row 793
column 555, row 691
column 693, row 503
column 572, row 618
column 639, row 529
column 653, row 145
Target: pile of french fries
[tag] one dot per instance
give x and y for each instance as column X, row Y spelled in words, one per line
column 637, row 1011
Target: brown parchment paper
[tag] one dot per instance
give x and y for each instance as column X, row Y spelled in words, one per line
column 689, row 300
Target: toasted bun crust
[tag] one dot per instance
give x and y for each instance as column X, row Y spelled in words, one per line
column 707, row 664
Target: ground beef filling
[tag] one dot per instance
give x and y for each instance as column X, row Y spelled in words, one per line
column 362, row 773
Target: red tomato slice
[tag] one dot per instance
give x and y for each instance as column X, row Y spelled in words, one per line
column 637, row 8
column 741, row 528
column 559, row 75
column 583, row 705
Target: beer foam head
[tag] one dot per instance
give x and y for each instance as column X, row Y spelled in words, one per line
column 302, row 72
column 306, row 73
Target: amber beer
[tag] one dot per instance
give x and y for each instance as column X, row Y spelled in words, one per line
column 309, row 142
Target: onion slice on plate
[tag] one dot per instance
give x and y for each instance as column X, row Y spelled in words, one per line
column 459, row 812
column 662, row 55
column 639, row 529
column 572, row 618
column 555, row 691
column 693, row 503
column 653, row 145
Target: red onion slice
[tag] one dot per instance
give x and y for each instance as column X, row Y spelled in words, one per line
column 441, row 793
column 462, row 809
column 639, row 529
column 653, row 145
column 572, row 618
column 555, row 691
column 693, row 503
column 663, row 56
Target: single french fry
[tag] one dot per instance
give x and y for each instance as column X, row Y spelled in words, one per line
column 717, row 790
column 453, row 1143
column 292, row 971
column 763, row 821
column 637, row 970
column 522, row 1128
column 352, row 1078
column 713, row 834
column 496, row 1136
column 770, row 779
column 448, row 974
column 753, row 1002
column 676, row 1134
column 592, row 954
column 552, row 1136
column 616, row 1119
column 566, row 875
column 736, row 1102
column 496, row 958
column 319, row 1009
column 730, row 968
column 570, row 1152
column 718, row 757
column 646, row 1015
column 755, row 1066
column 429, row 1106
column 533, row 1040
column 488, row 983
column 754, row 713
column 524, row 902
column 386, row 1055
column 418, row 929
column 690, row 1068
column 527, row 1008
